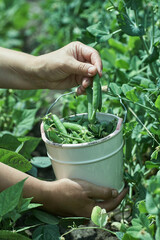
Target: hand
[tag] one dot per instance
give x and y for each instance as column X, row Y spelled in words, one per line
column 76, row 197
column 75, row 64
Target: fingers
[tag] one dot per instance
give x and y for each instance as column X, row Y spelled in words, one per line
column 99, row 192
column 82, row 68
column 88, row 59
column 113, row 203
column 85, row 83
column 92, row 56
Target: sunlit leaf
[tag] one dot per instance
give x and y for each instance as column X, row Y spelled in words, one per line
column 14, row 160
column 115, row 88
column 99, row 216
column 9, row 198
column 157, row 102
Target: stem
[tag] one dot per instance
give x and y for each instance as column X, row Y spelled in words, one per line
column 150, row 65
column 143, row 125
column 145, row 45
column 112, row 4
column 82, row 228
column 117, row 31
column 136, row 17
column 141, row 70
column 139, row 104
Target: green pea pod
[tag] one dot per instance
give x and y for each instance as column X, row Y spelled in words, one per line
column 74, row 126
column 54, row 137
column 89, row 92
column 100, row 98
column 59, row 125
column 96, row 92
column 46, row 127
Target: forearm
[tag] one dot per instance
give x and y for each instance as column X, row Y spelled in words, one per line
column 33, row 187
column 16, row 70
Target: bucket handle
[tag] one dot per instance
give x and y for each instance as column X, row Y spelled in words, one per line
column 74, row 92
column 52, row 105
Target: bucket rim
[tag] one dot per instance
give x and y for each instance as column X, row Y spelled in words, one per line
column 78, row 145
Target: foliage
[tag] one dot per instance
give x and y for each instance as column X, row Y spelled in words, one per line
column 127, row 35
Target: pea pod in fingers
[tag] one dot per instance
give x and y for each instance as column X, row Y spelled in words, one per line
column 97, row 100
column 89, row 92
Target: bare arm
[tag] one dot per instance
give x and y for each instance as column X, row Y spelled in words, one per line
column 73, row 65
column 63, row 197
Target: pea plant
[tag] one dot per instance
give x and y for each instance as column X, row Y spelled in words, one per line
column 127, row 35
column 129, row 47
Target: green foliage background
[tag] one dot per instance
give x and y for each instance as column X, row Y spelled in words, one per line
column 127, row 36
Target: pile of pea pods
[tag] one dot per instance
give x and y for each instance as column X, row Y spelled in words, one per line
column 80, row 128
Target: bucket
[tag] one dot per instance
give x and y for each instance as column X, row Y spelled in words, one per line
column 99, row 162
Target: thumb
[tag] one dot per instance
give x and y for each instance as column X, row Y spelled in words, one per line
column 84, row 69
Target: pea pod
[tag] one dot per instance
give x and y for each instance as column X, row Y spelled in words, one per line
column 53, row 136
column 100, row 98
column 96, row 98
column 89, row 92
column 46, row 127
column 74, row 126
column 96, row 93
column 59, row 125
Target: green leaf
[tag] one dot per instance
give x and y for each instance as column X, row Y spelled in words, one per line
column 157, row 102
column 150, row 165
column 119, row 235
column 8, row 141
column 155, row 153
column 128, row 26
column 132, row 96
column 133, row 4
column 109, row 55
column 127, row 237
column 14, row 160
column 41, row 162
column 25, row 204
column 153, row 56
column 153, row 195
column 8, row 235
column 121, row 63
column 24, row 120
column 46, row 217
column 117, row 45
column 115, row 88
column 97, row 29
column 99, row 216
column 20, row 18
column 125, row 88
column 158, row 228
column 46, row 232
column 142, row 207
column 30, row 144
column 9, row 198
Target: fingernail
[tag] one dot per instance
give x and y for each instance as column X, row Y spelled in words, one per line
column 114, row 193
column 91, row 71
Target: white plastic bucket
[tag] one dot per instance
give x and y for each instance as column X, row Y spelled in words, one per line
column 99, row 162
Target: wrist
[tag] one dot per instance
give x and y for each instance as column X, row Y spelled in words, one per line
column 39, row 70
column 33, row 187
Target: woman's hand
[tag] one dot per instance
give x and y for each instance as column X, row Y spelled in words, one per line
column 75, row 64
column 76, row 197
